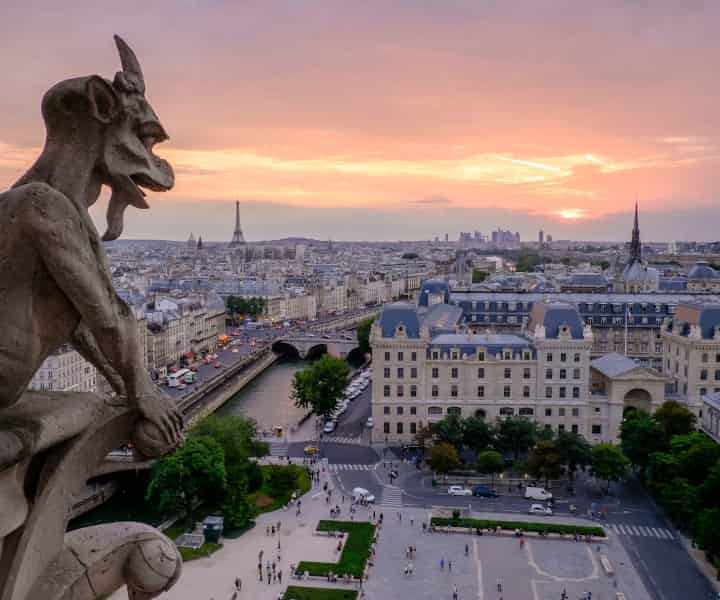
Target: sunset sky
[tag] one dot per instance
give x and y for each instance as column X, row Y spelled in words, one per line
column 396, row 119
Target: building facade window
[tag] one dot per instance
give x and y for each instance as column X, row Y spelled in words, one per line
column 507, row 411
column 561, row 412
column 401, row 356
column 481, row 373
column 413, row 372
column 400, row 372
column 400, row 410
column 399, row 427
column 548, row 412
column 526, row 412
column 576, row 392
column 508, row 373
column 434, row 392
column 481, row 391
column 597, row 429
column 548, row 392
column 413, row 391
column 413, row 428
column 526, row 373
column 413, row 356
column 400, row 391
column 386, row 427
column 506, row 391
column 453, row 391
column 454, row 372
column 548, row 373
column 386, row 391
column 526, row 391
column 386, row 372
column 413, row 410
column 435, row 373
column 562, row 391
column 563, row 374
column 387, row 356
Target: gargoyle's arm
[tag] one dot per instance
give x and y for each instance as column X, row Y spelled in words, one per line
column 85, row 344
column 68, row 242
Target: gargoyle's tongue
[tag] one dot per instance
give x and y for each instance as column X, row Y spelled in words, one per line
column 124, row 194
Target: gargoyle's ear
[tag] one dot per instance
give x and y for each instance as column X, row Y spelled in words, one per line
column 104, row 102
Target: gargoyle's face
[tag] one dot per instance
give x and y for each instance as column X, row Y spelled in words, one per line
column 128, row 161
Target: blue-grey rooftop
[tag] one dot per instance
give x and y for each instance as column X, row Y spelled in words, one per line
column 705, row 315
column 553, row 316
column 506, row 340
column 703, row 270
column 399, row 314
column 613, row 364
column 442, row 318
column 433, row 287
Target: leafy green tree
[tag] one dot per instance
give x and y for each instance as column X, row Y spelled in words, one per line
column 575, row 452
column 479, row 276
column 423, row 436
column 706, row 531
column 235, row 433
column 516, row 435
column 236, row 509
column 663, row 467
column 476, row 434
column 449, row 430
column 640, row 436
column 709, row 492
column 491, row 462
column 608, row 463
column 697, row 454
column 363, row 336
column 194, row 473
column 680, row 498
column 281, row 480
column 675, row 419
column 544, row 461
column 320, row 385
column 443, row 458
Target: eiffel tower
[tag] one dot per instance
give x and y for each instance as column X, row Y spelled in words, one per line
column 238, row 239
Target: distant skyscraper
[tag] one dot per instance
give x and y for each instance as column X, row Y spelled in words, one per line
column 238, row 239
column 447, row 236
column 541, row 236
column 549, row 238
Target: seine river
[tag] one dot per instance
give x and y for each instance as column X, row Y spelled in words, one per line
column 267, row 398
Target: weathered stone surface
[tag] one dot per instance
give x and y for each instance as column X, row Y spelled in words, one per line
column 55, row 288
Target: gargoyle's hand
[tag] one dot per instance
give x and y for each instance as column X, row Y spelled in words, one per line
column 159, row 410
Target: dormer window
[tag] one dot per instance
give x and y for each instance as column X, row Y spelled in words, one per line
column 481, row 356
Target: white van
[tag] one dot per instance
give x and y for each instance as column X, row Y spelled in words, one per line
column 537, row 493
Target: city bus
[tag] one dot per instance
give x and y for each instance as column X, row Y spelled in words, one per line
column 175, row 379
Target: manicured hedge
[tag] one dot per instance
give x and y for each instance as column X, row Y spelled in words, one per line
column 521, row 525
column 309, row 593
column 354, row 555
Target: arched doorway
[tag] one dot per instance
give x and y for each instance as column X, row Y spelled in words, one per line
column 480, row 413
column 637, row 399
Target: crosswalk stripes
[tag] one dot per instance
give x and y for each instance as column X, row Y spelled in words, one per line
column 349, row 467
column 278, row 449
column 334, row 439
column 391, row 497
column 642, row 531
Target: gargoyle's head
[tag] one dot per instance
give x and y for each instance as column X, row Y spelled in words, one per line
column 119, row 122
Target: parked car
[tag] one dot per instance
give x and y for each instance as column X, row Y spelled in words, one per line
column 218, row 365
column 458, row 490
column 539, row 509
column 537, row 493
column 484, row 492
column 329, row 427
column 369, row 423
column 360, row 494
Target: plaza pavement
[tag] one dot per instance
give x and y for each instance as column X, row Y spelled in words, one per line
column 540, row 570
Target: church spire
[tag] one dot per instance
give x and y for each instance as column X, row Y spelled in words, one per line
column 635, row 245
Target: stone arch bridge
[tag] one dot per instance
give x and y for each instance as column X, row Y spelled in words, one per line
column 335, row 345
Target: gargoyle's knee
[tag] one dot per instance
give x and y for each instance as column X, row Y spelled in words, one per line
column 152, row 568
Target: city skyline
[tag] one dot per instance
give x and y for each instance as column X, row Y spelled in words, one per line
column 421, row 121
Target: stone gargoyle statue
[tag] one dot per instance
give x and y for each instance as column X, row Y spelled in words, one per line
column 55, row 288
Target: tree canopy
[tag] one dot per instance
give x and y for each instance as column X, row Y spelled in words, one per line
column 641, row 435
column 363, row 336
column 443, row 458
column 608, row 463
column 320, row 386
column 575, row 452
column 545, row 461
column 238, row 305
column 491, row 462
column 515, row 435
column 675, row 419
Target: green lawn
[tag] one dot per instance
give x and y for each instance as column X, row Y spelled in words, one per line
column 521, row 525
column 203, row 551
column 264, row 500
column 354, row 555
column 308, row 593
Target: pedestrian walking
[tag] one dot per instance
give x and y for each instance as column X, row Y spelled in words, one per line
column 280, row 576
column 449, row 566
column 467, row 550
column 442, row 564
column 412, row 521
column 267, row 531
column 455, row 593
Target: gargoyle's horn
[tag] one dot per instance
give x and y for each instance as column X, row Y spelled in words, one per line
column 130, row 65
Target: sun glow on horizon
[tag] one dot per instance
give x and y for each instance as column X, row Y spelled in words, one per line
column 571, row 213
